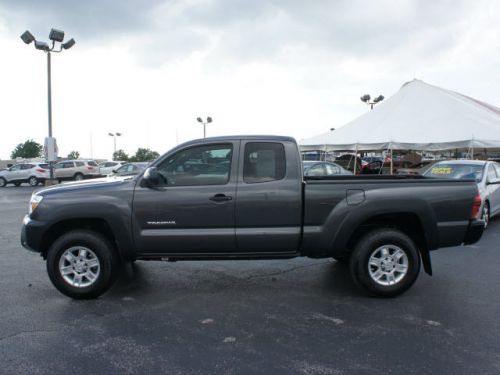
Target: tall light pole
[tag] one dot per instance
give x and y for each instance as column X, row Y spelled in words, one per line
column 114, row 135
column 208, row 121
column 366, row 98
column 56, row 36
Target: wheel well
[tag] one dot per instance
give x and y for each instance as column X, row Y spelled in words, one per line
column 408, row 223
column 95, row 224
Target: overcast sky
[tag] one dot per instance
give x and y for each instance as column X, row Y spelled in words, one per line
column 147, row 69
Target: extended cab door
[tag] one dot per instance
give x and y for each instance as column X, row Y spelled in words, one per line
column 269, row 198
column 192, row 210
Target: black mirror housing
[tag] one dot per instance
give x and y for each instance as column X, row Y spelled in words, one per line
column 151, row 177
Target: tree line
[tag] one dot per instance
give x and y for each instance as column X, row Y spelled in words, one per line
column 31, row 149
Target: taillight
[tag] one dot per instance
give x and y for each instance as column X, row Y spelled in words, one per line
column 40, row 170
column 90, row 168
column 476, row 206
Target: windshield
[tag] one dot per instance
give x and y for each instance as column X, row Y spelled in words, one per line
column 459, row 171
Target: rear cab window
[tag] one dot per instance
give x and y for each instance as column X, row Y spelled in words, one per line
column 264, row 162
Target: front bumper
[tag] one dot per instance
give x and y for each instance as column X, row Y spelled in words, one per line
column 32, row 234
column 474, row 232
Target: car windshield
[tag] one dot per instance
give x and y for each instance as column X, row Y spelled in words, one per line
column 459, row 171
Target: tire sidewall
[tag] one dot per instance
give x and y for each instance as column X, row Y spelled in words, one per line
column 101, row 248
column 31, row 179
column 79, row 177
column 3, row 182
column 365, row 248
column 485, row 215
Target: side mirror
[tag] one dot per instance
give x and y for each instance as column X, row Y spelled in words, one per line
column 151, row 177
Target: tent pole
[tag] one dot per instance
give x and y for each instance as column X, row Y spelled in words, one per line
column 355, row 158
column 392, row 163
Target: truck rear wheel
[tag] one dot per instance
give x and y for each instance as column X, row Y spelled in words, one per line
column 82, row 264
column 385, row 262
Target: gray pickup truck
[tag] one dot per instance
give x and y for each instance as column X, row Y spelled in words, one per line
column 245, row 197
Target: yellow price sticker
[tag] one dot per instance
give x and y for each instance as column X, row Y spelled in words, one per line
column 441, row 170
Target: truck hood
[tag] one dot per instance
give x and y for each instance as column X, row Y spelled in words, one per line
column 79, row 186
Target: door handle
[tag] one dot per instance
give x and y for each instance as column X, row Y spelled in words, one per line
column 220, row 198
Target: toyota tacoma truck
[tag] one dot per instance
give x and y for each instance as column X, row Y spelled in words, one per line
column 245, row 197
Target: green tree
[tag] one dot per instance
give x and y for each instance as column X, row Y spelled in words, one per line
column 144, row 154
column 120, row 155
column 74, row 155
column 27, row 150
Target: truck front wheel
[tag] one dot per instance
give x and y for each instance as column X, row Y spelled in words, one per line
column 82, row 264
column 385, row 262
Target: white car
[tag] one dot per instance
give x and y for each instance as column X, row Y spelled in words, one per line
column 486, row 174
column 107, row 167
column 32, row 173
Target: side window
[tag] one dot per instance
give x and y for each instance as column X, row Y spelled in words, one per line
column 497, row 169
column 263, row 162
column 15, row 168
column 491, row 173
column 80, row 163
column 27, row 166
column 200, row 165
column 92, row 163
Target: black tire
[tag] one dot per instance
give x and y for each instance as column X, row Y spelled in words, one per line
column 485, row 214
column 364, row 274
column 17, row 184
column 3, row 182
column 100, row 246
column 33, row 181
column 78, row 177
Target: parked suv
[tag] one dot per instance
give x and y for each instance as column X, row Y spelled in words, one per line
column 108, row 167
column 32, row 173
column 76, row 169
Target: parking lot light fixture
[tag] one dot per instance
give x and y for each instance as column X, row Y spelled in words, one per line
column 367, row 99
column 207, row 121
column 27, row 37
column 114, row 135
column 57, row 38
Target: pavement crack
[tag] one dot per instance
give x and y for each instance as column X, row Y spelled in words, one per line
column 24, row 333
column 286, row 271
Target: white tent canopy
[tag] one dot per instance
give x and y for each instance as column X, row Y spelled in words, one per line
column 418, row 117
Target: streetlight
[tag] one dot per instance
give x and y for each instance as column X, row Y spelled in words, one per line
column 56, row 36
column 114, row 135
column 366, row 98
column 208, row 121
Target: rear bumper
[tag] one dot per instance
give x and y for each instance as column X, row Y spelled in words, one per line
column 474, row 232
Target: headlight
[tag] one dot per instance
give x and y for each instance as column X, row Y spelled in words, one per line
column 34, row 202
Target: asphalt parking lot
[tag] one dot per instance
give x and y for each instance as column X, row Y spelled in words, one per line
column 297, row 316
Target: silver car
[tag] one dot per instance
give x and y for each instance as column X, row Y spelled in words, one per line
column 76, row 170
column 32, row 173
column 323, row 169
column 486, row 174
